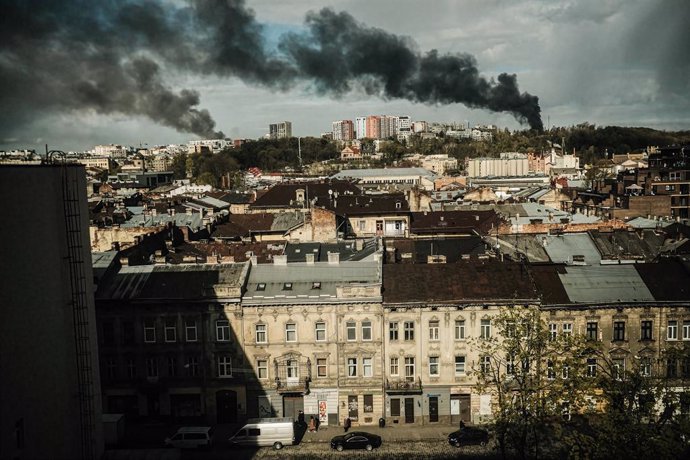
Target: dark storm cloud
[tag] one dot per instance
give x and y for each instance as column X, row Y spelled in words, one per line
column 110, row 57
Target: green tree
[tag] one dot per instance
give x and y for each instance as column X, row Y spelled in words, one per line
column 533, row 378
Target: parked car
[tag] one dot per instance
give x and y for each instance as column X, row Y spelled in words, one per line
column 468, row 435
column 275, row 431
column 190, row 437
column 356, row 440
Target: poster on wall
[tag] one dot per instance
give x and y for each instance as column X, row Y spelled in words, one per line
column 353, row 408
column 323, row 412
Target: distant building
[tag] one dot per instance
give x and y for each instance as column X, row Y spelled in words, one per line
column 110, row 150
column 343, row 130
column 280, row 130
column 509, row 164
column 373, row 127
column 350, row 153
column 439, row 163
column 361, row 127
column 212, row 145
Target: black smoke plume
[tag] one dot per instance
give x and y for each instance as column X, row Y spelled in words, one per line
column 110, row 56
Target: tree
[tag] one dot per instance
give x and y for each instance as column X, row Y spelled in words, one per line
column 533, row 376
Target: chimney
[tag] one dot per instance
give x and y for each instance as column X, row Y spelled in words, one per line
column 280, row 260
column 334, row 258
column 310, row 258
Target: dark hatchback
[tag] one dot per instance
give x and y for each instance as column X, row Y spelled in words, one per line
column 356, row 440
column 468, row 435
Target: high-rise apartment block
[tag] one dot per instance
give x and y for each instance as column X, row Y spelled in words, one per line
column 343, row 130
column 280, row 130
column 361, row 127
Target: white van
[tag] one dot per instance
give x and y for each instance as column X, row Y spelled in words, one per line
column 260, row 432
column 190, row 437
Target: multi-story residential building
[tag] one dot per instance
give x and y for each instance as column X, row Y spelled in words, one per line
column 361, row 127
column 389, row 126
column 343, row 130
column 507, row 165
column 50, row 404
column 111, row 150
column 373, row 128
column 280, row 130
column 213, row 145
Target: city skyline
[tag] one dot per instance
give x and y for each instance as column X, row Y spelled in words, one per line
column 608, row 63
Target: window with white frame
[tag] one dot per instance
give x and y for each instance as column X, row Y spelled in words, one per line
column 433, row 330
column 260, row 332
column 459, row 366
column 394, row 369
column 409, row 368
column 567, row 328
column 320, row 331
column 550, row 372
column 290, row 332
column 262, row 368
column 321, row 367
column 408, row 327
column 553, row 331
column 223, row 330
column 151, row 367
column 591, row 367
column 565, row 371
column 686, row 330
column 292, row 368
column 366, row 330
column 172, row 366
column 367, row 367
column 190, row 330
column 485, row 364
column 224, row 366
column 645, row 366
column 485, row 332
column 352, row 367
column 192, row 366
column 510, row 364
column 672, row 330
column 459, row 329
column 618, row 365
column 171, row 330
column 362, row 225
column 393, row 331
column 434, row 370
column 351, row 330
column 149, row 330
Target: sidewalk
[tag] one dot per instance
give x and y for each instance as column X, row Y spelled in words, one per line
column 400, row 433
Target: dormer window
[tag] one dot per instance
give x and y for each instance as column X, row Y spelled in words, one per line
column 287, row 286
column 316, row 285
column 261, row 287
column 398, row 205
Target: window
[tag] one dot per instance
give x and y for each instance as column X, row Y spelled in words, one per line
column 320, row 331
column 566, row 371
column 409, row 330
column 192, row 366
column 291, row 332
column 553, row 331
column 171, row 330
column 260, row 333
column 151, row 367
column 395, row 407
column 287, row 286
column 368, row 403
column 618, row 370
column 131, row 368
column 550, row 372
column 261, row 287
column 672, row 330
column 459, row 329
column 433, row 366
column 351, row 330
column 366, row 330
column 433, row 330
column 459, row 366
column 224, row 366
column 172, row 366
column 619, row 330
column 367, row 367
column 352, row 367
column 646, row 330
column 671, row 368
column 686, row 330
column 510, row 364
column 111, row 368
column 108, row 329
column 567, row 328
column 292, row 369
column 262, row 368
column 485, row 332
column 223, row 330
column 591, row 367
column 646, row 366
column 485, row 364
column 190, row 330
column 592, row 330
column 362, row 225
column 128, row 333
column 409, row 369
column 149, row 331
column 393, row 331
column 316, row 285
column 321, row 367
column 394, row 367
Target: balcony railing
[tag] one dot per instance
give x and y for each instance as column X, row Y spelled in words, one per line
column 300, row 385
column 404, row 386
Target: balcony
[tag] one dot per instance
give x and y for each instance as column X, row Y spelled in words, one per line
column 404, row 386
column 300, row 385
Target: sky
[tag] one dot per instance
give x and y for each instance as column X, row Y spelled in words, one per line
column 141, row 72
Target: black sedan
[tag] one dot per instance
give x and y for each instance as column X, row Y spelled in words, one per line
column 468, row 435
column 356, row 440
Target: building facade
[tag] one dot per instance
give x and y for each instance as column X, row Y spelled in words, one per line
column 280, row 130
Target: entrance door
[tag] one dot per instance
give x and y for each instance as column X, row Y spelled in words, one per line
column 409, row 410
column 433, row 408
column 465, row 408
column 226, row 406
column 292, row 405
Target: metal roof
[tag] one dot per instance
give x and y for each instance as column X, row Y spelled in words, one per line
column 563, row 248
column 604, row 284
column 386, row 172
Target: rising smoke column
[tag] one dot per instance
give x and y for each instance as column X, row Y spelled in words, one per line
column 110, row 56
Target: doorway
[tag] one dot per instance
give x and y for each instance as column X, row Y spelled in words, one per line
column 433, row 408
column 409, row 410
column 292, row 404
column 226, row 406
